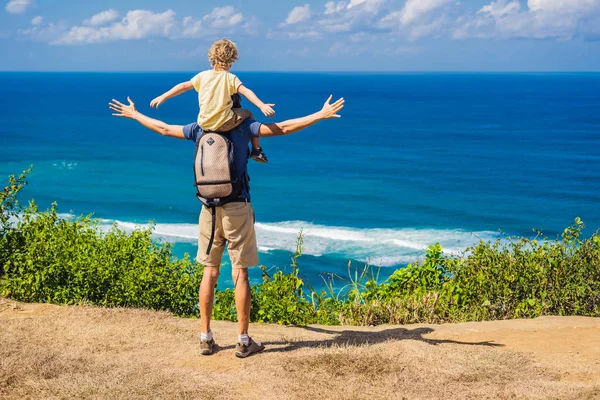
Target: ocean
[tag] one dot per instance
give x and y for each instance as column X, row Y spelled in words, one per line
column 416, row 159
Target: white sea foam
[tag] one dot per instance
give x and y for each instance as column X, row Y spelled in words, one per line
column 65, row 164
column 383, row 247
column 169, row 232
column 377, row 246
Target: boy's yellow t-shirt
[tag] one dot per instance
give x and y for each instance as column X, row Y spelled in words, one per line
column 215, row 89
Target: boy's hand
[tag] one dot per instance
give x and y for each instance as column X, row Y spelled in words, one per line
column 268, row 110
column 157, row 102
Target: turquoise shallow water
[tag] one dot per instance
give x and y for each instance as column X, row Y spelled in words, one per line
column 415, row 159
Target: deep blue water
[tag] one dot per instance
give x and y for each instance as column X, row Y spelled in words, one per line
column 415, row 159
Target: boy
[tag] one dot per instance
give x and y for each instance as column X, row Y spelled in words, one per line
column 215, row 88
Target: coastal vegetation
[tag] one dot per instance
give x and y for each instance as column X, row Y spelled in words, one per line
column 46, row 258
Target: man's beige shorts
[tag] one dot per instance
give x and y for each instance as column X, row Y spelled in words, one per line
column 234, row 227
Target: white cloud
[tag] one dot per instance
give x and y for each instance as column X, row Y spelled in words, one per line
column 413, row 10
column 369, row 6
column 542, row 19
column 345, row 26
column 137, row 24
column 44, row 33
column 192, row 28
column 341, row 22
column 145, row 24
column 102, row 18
column 561, row 6
column 314, row 35
column 223, row 17
column 331, row 7
column 338, row 18
column 354, row 3
column 415, row 19
column 362, row 37
column 426, row 29
column 18, row 6
column 340, row 7
column 341, row 48
column 500, row 9
column 298, row 14
column 352, row 17
column 309, row 34
column 251, row 26
column 420, row 18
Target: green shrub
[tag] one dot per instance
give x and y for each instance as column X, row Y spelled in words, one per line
column 10, row 209
column 280, row 298
column 49, row 259
column 514, row 278
column 527, row 278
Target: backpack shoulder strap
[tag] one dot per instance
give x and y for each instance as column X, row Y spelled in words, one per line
column 213, row 212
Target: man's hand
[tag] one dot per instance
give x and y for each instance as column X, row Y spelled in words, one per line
column 157, row 101
column 294, row 125
column 331, row 110
column 267, row 109
column 121, row 110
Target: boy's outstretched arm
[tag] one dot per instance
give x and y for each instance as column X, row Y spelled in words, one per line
column 328, row 111
column 266, row 109
column 175, row 91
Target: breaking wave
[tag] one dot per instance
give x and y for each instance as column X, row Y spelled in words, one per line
column 382, row 247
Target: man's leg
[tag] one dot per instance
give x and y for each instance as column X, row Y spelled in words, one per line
column 243, row 253
column 211, row 264
column 207, row 296
column 242, row 298
column 246, row 346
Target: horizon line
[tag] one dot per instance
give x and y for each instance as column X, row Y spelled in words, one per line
column 320, row 71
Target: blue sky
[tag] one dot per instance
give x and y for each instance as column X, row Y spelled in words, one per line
column 303, row 35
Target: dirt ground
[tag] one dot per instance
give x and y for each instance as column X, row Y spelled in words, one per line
column 49, row 351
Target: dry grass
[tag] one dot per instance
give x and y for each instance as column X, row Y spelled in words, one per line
column 83, row 352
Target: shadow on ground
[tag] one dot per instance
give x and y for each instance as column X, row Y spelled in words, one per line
column 361, row 338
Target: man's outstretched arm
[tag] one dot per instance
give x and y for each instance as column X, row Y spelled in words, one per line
column 121, row 110
column 294, row 125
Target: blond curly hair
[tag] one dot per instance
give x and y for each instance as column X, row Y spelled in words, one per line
column 223, row 53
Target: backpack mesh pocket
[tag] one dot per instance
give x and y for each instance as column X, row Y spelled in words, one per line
column 212, row 166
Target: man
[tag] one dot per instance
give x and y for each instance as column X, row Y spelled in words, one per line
column 235, row 221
